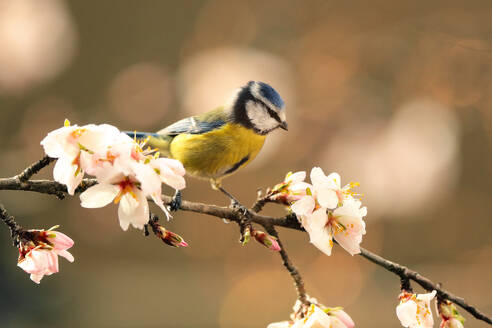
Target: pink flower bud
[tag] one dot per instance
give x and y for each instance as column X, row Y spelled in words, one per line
column 170, row 238
column 451, row 323
column 450, row 315
column 266, row 240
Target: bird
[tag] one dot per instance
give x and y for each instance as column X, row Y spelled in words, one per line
column 218, row 143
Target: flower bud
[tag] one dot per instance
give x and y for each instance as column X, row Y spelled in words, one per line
column 452, row 323
column 450, row 315
column 169, row 237
column 246, row 237
column 266, row 240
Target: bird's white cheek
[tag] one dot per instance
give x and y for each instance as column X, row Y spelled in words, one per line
column 259, row 116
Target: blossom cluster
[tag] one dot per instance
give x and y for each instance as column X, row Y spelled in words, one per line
column 39, row 250
column 317, row 316
column 325, row 209
column 126, row 172
column 414, row 311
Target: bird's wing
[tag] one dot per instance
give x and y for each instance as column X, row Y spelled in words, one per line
column 196, row 124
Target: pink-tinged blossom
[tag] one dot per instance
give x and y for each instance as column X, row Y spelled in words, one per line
column 344, row 224
column 318, row 318
column 414, row 310
column 328, row 189
column 328, row 211
column 126, row 171
column 291, row 189
column 123, row 190
column 68, row 143
column 39, row 256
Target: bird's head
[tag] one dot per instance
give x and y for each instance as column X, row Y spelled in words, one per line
column 259, row 107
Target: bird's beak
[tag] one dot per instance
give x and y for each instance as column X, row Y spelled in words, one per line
column 284, row 125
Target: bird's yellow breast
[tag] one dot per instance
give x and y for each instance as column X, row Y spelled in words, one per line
column 216, row 153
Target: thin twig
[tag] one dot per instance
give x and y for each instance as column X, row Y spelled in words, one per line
column 301, row 290
column 34, row 168
column 426, row 283
column 15, row 229
column 288, row 221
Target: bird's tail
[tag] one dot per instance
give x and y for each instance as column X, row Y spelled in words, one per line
column 154, row 140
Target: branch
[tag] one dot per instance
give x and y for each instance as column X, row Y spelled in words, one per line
column 301, row 290
column 34, row 168
column 426, row 283
column 15, row 229
column 288, row 221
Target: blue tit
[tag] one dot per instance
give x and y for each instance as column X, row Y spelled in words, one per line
column 216, row 144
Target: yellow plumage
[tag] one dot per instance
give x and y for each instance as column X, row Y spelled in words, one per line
column 217, row 153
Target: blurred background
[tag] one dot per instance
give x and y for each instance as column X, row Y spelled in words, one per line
column 395, row 95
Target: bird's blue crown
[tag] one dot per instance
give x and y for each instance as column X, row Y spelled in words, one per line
column 269, row 94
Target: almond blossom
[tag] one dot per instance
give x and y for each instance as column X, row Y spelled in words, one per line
column 38, row 255
column 414, row 310
column 126, row 171
column 324, row 221
column 123, row 190
column 293, row 188
column 67, row 143
column 318, row 318
column 344, row 224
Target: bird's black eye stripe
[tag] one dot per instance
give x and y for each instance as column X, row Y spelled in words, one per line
column 274, row 115
column 270, row 111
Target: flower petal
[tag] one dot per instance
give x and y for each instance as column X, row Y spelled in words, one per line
column 407, row 313
column 319, row 319
column 66, row 172
column 304, row 206
column 150, row 181
column 345, row 318
column 318, row 177
column 134, row 211
column 61, row 241
column 334, row 180
column 37, row 277
column 319, row 235
column 327, row 197
column 296, row 177
column 99, row 195
column 282, row 324
column 66, row 254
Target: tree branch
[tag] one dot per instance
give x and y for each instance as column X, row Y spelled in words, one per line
column 288, row 221
column 301, row 290
column 426, row 283
column 34, row 168
column 15, row 229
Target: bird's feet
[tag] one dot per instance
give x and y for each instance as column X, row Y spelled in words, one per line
column 176, row 202
column 239, row 208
